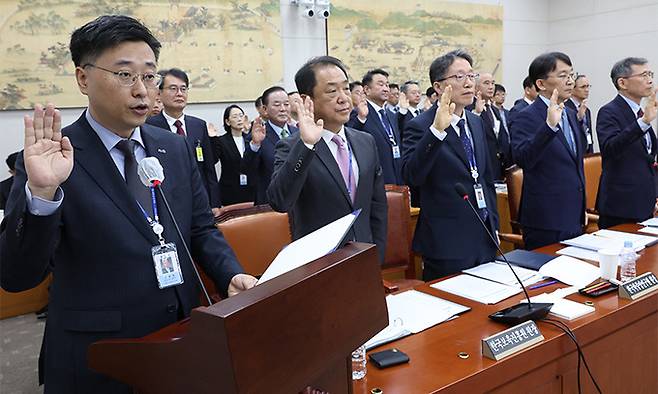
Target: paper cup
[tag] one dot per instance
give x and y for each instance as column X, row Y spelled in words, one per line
column 608, row 259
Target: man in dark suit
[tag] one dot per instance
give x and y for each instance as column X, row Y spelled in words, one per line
column 328, row 170
column 446, row 145
column 74, row 211
column 381, row 124
column 173, row 93
column 502, row 115
column 548, row 144
column 409, row 105
column 578, row 103
column 259, row 153
column 5, row 186
column 529, row 96
column 628, row 146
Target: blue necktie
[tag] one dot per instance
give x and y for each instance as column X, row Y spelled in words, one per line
column 470, row 155
column 387, row 125
column 566, row 129
column 647, row 137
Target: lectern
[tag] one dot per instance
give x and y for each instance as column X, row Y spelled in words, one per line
column 296, row 330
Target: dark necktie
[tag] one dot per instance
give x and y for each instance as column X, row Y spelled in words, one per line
column 470, row 155
column 640, row 113
column 135, row 186
column 647, row 138
column 179, row 128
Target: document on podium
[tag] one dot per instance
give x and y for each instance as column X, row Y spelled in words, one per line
column 311, row 247
column 411, row 312
column 571, row 271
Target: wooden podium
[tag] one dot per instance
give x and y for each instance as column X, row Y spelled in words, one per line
column 296, row 330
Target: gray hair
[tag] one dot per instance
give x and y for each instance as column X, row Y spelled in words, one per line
column 405, row 86
column 622, row 68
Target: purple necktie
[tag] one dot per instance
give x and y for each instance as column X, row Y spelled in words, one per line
column 344, row 159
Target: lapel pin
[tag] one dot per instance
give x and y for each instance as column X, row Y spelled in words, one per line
column 160, row 150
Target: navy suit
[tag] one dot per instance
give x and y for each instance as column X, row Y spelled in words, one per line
column 519, row 105
column 626, row 190
column 374, row 127
column 227, row 152
column 499, row 145
column 553, row 196
column 262, row 162
column 5, row 188
column 586, row 125
column 98, row 246
column 448, row 235
column 197, row 134
column 309, row 185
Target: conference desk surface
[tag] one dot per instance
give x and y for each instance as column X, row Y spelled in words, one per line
column 619, row 340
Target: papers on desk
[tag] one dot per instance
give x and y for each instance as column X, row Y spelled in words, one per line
column 653, row 222
column 638, row 239
column 310, row 247
column 579, row 253
column 649, row 230
column 563, row 308
column 571, row 271
column 411, row 312
column 477, row 289
column 597, row 242
column 500, row 272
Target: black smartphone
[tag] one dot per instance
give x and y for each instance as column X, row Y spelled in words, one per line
column 388, row 358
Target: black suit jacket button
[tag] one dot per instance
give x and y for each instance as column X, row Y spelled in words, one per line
column 171, row 308
column 580, row 189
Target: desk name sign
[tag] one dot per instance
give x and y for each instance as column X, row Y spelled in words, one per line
column 638, row 287
column 512, row 340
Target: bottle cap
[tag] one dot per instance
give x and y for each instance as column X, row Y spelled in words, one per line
column 628, row 244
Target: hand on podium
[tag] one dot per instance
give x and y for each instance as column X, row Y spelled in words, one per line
column 240, row 283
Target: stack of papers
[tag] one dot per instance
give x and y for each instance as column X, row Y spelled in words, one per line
column 411, row 312
column 579, row 253
column 649, row 230
column 500, row 272
column 637, row 239
column 563, row 308
column 571, row 271
column 653, row 222
column 477, row 289
column 596, row 242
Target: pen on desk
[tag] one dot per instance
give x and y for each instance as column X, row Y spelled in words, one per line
column 550, row 282
column 596, row 286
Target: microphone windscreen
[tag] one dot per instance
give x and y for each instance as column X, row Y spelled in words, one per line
column 150, row 170
column 460, row 189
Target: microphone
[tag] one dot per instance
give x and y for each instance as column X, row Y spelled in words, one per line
column 516, row 314
column 151, row 174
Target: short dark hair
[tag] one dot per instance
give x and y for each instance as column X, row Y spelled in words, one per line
column 227, row 113
column 405, row 86
column 11, row 160
column 354, row 85
column 270, row 90
column 544, row 64
column 305, row 76
column 430, row 91
column 528, row 82
column 440, row 65
column 259, row 102
column 499, row 88
column 107, row 31
column 293, row 92
column 622, row 68
column 367, row 78
column 392, row 86
column 174, row 72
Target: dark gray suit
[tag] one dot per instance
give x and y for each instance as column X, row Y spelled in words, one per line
column 308, row 184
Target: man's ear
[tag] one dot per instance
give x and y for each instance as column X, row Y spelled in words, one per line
column 540, row 84
column 82, row 78
column 437, row 87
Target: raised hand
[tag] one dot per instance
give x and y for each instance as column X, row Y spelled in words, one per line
column 554, row 113
column 446, row 108
column 362, row 109
column 212, row 130
column 582, row 110
column 48, row 157
column 651, row 108
column 479, row 103
column 310, row 131
column 258, row 131
column 404, row 102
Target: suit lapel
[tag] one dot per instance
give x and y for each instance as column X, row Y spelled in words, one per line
column 325, row 156
column 478, row 137
column 374, row 116
column 453, row 141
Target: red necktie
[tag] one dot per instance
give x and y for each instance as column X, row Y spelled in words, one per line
column 179, row 128
column 640, row 113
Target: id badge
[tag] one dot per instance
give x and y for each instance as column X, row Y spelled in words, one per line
column 243, row 180
column 167, row 267
column 199, row 153
column 479, row 196
column 396, row 152
column 589, row 138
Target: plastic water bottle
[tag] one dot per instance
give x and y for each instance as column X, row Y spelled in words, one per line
column 628, row 257
column 359, row 363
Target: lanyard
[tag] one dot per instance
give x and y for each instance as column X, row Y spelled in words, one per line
column 349, row 171
column 157, row 228
column 389, row 129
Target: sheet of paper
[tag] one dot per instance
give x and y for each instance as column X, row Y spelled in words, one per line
column 595, row 242
column 653, row 222
column 563, row 308
column 571, row 271
column 477, row 289
column 644, row 240
column 311, row 247
column 649, row 230
column 500, row 272
column 579, row 253
column 411, row 312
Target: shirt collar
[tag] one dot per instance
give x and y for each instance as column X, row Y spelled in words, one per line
column 455, row 119
column 545, row 100
column 171, row 120
column 108, row 138
column 575, row 101
column 328, row 135
column 634, row 106
column 527, row 100
column 377, row 107
column 278, row 129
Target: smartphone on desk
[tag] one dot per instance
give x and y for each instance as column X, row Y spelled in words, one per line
column 388, row 358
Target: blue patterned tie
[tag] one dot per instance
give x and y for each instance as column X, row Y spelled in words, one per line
column 470, row 155
column 566, row 129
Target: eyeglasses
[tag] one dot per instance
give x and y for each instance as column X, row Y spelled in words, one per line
column 461, row 77
column 126, row 78
column 173, row 89
column 565, row 76
column 645, row 75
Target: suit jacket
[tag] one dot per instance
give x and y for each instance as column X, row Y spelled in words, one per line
column 229, row 183
column 98, row 246
column 447, row 228
column 585, row 125
column 626, row 188
column 197, row 134
column 309, row 186
column 5, row 188
column 499, row 145
column 519, row 105
column 262, row 162
column 553, row 194
column 374, row 126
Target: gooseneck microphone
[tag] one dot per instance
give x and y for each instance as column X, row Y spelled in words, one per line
column 151, row 174
column 516, row 314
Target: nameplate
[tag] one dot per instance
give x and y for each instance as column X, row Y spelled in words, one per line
column 638, row 287
column 512, row 340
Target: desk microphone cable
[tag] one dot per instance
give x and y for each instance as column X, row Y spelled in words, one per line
column 581, row 355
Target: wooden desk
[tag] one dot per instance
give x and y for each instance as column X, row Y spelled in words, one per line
column 619, row 340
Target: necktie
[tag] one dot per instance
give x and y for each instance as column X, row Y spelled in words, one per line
column 640, row 113
column 566, row 129
column 179, row 128
column 647, row 138
column 387, row 125
column 343, row 160
column 470, row 155
column 284, row 133
column 135, row 186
